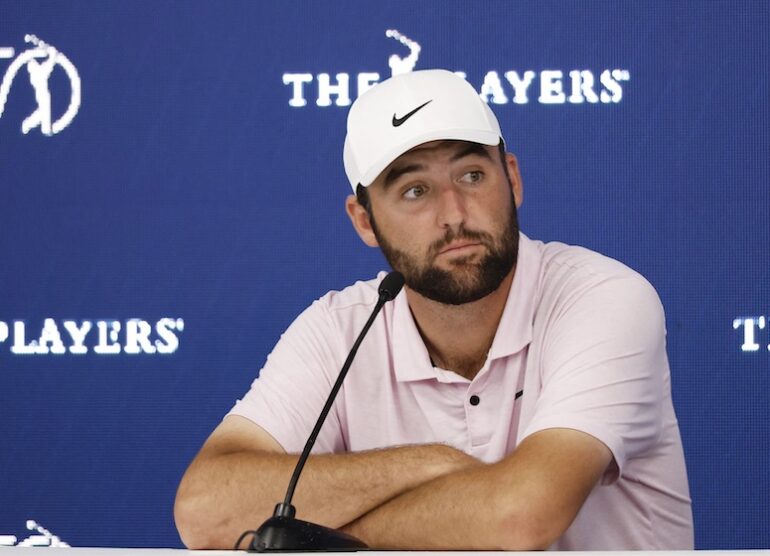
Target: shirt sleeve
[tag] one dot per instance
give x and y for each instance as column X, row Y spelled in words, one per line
column 292, row 387
column 605, row 370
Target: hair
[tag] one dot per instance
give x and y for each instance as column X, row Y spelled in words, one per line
column 362, row 193
column 501, row 150
column 362, row 196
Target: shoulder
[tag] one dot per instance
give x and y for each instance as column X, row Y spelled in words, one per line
column 324, row 331
column 575, row 281
column 361, row 294
column 562, row 261
column 567, row 270
column 340, row 308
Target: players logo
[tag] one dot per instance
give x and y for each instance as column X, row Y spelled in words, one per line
column 752, row 329
column 399, row 65
column 43, row 538
column 545, row 86
column 40, row 60
column 102, row 337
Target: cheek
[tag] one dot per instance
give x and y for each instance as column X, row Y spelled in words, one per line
column 404, row 227
column 493, row 217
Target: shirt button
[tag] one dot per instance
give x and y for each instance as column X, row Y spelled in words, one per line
column 475, row 400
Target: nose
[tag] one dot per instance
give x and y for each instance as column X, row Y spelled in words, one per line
column 452, row 210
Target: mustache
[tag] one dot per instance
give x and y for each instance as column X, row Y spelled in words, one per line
column 462, row 233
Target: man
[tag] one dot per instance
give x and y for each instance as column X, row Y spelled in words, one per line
column 515, row 394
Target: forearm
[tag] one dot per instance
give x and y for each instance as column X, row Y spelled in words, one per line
column 523, row 502
column 223, row 495
column 458, row 511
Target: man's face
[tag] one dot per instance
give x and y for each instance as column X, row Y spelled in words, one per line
column 444, row 216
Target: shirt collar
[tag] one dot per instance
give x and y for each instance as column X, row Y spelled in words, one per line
column 411, row 360
column 514, row 332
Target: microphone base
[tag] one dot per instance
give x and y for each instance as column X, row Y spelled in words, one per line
column 286, row 534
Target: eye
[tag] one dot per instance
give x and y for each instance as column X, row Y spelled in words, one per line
column 474, row 176
column 414, row 192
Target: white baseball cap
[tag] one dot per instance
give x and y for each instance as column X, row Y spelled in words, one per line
column 408, row 110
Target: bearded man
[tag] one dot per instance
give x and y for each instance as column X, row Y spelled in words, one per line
column 515, row 395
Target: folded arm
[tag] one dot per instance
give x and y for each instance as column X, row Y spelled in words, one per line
column 523, row 502
column 241, row 473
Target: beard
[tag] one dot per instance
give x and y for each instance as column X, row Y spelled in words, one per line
column 471, row 278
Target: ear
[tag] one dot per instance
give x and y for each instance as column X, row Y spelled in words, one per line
column 516, row 184
column 360, row 220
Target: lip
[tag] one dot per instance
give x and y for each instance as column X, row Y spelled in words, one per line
column 458, row 247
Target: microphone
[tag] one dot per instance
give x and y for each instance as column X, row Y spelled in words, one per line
column 389, row 288
column 284, row 533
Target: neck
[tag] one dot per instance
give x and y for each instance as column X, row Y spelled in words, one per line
column 458, row 337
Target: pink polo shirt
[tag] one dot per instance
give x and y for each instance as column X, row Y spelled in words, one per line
column 580, row 345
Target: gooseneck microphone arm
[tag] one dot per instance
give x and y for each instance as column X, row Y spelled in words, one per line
column 386, row 290
column 283, row 532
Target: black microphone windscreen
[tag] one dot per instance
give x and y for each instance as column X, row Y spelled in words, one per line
column 391, row 285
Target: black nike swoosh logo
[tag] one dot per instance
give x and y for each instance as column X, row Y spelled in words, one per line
column 519, row 394
column 398, row 121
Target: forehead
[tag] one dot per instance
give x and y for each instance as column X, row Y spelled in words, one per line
column 421, row 156
column 443, row 148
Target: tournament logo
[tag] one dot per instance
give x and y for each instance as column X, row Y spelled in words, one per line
column 399, row 65
column 102, row 337
column 43, row 538
column 752, row 327
column 40, row 60
column 544, row 86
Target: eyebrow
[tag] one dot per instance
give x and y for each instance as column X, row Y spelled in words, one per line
column 398, row 171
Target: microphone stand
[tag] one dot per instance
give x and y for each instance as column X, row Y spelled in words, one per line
column 283, row 532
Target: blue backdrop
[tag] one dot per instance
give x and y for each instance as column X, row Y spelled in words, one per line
column 171, row 197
